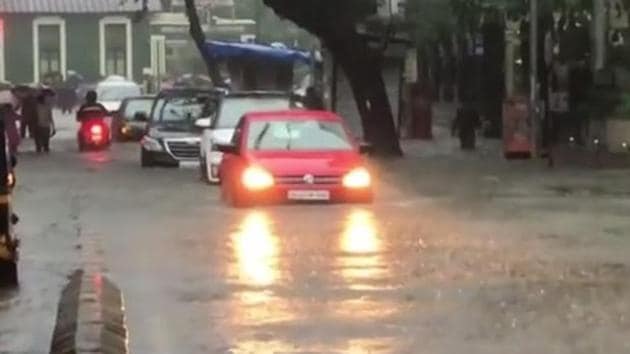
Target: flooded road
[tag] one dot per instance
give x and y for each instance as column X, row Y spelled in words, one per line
column 405, row 275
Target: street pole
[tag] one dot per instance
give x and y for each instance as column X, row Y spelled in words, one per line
column 600, row 28
column 258, row 17
column 533, row 76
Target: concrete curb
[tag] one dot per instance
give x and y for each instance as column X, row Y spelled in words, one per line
column 90, row 317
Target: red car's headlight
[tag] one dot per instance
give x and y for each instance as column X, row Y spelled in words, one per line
column 256, row 178
column 357, row 178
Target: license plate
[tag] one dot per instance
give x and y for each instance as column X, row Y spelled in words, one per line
column 189, row 164
column 309, row 195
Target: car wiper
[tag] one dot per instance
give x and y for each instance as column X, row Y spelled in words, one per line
column 261, row 136
column 289, row 139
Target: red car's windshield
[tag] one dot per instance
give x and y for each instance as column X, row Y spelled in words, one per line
column 292, row 135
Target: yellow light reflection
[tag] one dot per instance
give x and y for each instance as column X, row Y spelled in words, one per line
column 360, row 234
column 362, row 247
column 256, row 249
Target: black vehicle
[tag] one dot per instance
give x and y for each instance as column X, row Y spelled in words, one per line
column 172, row 138
column 129, row 123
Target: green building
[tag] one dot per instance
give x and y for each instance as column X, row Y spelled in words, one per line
column 95, row 38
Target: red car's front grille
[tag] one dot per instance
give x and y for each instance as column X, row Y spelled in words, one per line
column 307, row 179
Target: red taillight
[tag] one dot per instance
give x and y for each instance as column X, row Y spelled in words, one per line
column 96, row 130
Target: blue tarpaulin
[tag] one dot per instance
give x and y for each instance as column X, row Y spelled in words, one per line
column 216, row 50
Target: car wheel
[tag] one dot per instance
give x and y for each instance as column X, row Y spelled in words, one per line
column 366, row 199
column 81, row 146
column 145, row 159
column 203, row 170
column 235, row 199
column 116, row 136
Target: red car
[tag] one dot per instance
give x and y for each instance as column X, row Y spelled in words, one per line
column 293, row 156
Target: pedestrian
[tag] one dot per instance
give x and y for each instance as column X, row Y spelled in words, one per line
column 45, row 123
column 465, row 125
column 29, row 115
column 313, row 99
column 8, row 106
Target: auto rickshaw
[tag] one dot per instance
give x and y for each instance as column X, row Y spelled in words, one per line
column 8, row 242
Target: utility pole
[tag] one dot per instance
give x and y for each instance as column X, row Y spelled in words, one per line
column 600, row 25
column 258, row 17
column 533, row 77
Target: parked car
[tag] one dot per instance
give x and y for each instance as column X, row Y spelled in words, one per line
column 293, row 156
column 130, row 122
column 220, row 129
column 113, row 90
column 172, row 138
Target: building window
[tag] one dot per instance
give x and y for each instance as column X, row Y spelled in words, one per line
column 116, row 49
column 49, row 49
column 2, row 72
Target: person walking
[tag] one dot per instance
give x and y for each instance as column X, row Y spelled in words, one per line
column 465, row 125
column 8, row 105
column 313, row 100
column 45, row 124
column 29, row 115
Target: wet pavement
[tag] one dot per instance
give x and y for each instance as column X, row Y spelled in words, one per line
column 417, row 272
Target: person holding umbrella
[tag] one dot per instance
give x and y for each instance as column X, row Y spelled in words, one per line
column 45, row 124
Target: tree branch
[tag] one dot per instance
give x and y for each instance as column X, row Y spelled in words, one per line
column 196, row 32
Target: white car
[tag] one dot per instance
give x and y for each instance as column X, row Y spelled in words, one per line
column 220, row 129
column 113, row 90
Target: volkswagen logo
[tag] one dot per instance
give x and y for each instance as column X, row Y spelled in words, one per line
column 309, row 179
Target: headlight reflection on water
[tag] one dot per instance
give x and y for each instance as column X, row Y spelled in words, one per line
column 362, row 248
column 256, row 251
column 360, row 234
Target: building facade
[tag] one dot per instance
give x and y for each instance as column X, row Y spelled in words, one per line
column 92, row 38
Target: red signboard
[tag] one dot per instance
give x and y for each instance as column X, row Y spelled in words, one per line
column 516, row 127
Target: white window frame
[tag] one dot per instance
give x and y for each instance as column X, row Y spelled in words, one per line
column 2, row 61
column 46, row 21
column 116, row 20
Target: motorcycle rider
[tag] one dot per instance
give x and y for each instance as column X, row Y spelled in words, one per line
column 90, row 107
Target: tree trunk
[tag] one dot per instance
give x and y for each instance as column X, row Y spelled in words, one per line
column 334, row 23
column 196, row 32
column 369, row 90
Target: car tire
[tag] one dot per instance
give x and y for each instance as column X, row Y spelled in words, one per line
column 81, row 146
column 203, row 169
column 116, row 136
column 367, row 199
column 234, row 199
column 145, row 159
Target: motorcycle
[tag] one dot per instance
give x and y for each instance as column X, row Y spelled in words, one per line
column 94, row 132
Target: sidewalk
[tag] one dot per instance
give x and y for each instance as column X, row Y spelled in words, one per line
column 439, row 168
column 445, row 145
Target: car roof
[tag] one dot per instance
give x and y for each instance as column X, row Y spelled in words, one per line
column 137, row 98
column 293, row 114
column 116, row 83
column 174, row 92
column 264, row 94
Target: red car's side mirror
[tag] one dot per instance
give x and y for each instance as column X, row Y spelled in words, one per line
column 227, row 149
